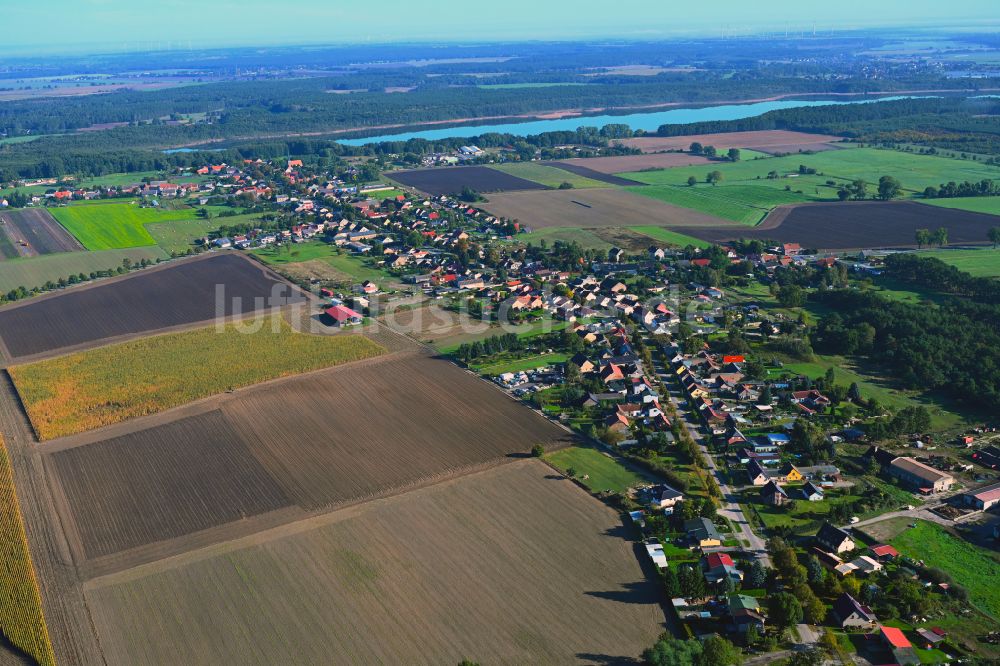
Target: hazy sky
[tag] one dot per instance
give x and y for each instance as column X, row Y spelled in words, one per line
column 69, row 24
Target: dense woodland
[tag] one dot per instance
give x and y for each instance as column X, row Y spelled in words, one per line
column 953, row 347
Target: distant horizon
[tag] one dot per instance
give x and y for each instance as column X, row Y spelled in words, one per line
column 97, row 27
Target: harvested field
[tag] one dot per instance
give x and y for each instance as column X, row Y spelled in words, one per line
column 626, row 163
column 856, row 225
column 762, row 140
column 333, row 437
column 432, row 323
column 33, row 231
column 451, row 180
column 588, row 209
column 100, row 387
column 510, row 566
column 164, row 482
column 587, row 172
column 176, row 294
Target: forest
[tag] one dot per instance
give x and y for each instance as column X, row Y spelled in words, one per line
column 953, row 348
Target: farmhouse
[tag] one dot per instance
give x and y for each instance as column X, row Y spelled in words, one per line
column 720, row 566
column 702, row 533
column 773, row 494
column 983, row 498
column 812, row 492
column 921, row 476
column 834, row 539
column 851, row 614
column 665, row 497
column 343, row 316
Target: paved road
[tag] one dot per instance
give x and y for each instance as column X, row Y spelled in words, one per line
column 729, row 509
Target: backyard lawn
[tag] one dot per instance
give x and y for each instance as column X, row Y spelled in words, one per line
column 603, row 471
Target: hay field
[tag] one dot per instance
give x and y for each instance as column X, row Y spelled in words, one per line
column 510, row 566
column 107, row 385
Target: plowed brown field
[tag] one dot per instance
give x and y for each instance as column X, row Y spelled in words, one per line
column 513, row 565
column 176, row 294
column 334, row 437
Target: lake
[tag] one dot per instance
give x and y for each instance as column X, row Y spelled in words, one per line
column 649, row 121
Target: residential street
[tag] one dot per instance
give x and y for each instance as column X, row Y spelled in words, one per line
column 729, row 508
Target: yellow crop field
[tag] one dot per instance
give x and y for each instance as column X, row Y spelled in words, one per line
column 103, row 386
column 21, row 619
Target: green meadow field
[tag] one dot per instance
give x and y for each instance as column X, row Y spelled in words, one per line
column 746, row 204
column 914, row 171
column 980, row 262
column 113, row 226
column 546, row 175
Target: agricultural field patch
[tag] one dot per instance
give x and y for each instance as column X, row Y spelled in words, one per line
column 433, row 576
column 915, row 172
column 31, row 272
column 322, row 260
column 592, row 175
column 163, row 482
column 451, row 180
column 103, row 386
column 990, row 205
column 760, row 140
column 670, row 237
column 855, row 225
column 588, row 209
column 971, row 566
column 174, row 294
column 628, row 163
column 334, row 437
column 549, row 175
column 21, row 619
column 110, row 226
column 596, row 469
column 31, row 232
column 744, row 204
column 585, row 238
column 979, row 262
column 179, row 235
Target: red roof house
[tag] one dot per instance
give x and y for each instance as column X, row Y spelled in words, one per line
column 343, row 316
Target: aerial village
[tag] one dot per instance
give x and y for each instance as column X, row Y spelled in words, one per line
column 757, row 487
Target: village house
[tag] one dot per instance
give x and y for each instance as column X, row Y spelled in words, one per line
column 773, row 494
column 834, row 539
column 851, row 614
column 702, row 533
column 720, row 566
